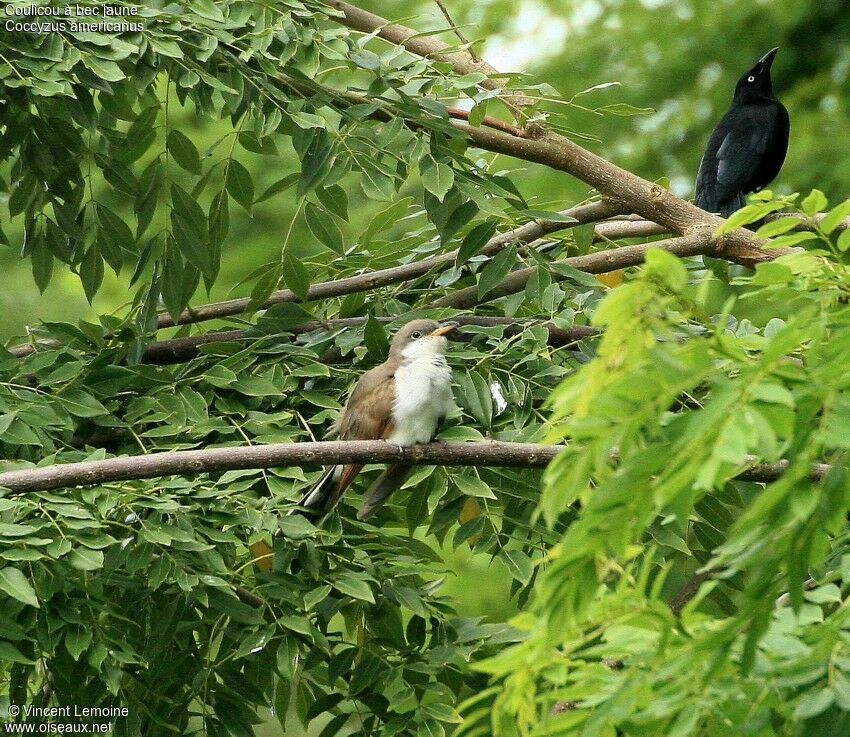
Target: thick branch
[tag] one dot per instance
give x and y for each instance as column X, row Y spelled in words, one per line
column 635, row 194
column 600, row 262
column 193, row 462
column 526, row 233
column 631, row 228
column 615, row 229
column 638, row 195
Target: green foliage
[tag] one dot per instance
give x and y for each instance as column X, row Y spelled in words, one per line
column 125, row 594
column 677, row 402
column 161, row 155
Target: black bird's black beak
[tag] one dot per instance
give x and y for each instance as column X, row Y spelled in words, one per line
column 767, row 60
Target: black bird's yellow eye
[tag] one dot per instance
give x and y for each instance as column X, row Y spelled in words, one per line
column 415, row 334
column 751, row 78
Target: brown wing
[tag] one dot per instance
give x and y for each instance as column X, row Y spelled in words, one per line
column 368, row 410
column 367, row 416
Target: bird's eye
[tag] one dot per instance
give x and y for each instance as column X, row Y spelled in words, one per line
column 751, row 78
column 415, row 334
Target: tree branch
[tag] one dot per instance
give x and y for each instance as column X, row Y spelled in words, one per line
column 634, row 193
column 177, row 350
column 616, row 229
column 700, row 242
column 463, row 61
column 590, row 212
column 193, row 462
column 631, row 228
column 637, row 195
column 463, row 39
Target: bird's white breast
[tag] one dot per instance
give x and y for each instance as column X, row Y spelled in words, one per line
column 423, row 396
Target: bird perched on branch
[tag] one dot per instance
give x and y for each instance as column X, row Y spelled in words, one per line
column 403, row 400
column 747, row 148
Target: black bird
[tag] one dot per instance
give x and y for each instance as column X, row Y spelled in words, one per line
column 747, row 147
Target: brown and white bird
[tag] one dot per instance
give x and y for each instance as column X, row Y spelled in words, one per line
column 403, row 400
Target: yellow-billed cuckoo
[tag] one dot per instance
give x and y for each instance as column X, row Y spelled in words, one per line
column 403, row 400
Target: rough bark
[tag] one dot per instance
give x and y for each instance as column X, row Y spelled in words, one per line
column 194, row 462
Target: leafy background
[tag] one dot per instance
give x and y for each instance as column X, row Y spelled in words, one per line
column 686, row 77
column 123, row 594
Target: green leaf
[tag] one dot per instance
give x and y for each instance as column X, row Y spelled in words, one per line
column 792, row 239
column 475, row 398
column 748, row 214
column 183, row 151
column 813, row 702
column 777, row 227
column 279, row 186
column 375, row 338
column 518, row 565
column 14, row 583
column 473, row 486
column 459, row 217
column 85, row 559
column 475, row 240
column 324, row 227
column 91, row 272
column 103, row 68
column 814, row 202
column 81, row 404
column 308, row 120
column 77, row 641
column 239, row 185
column 834, row 217
column 438, row 179
column 354, row 587
column 219, row 218
column 365, row 59
column 264, row 286
column 478, row 113
column 10, row 654
column 334, row 199
column 116, row 237
column 548, row 216
column 385, row 218
column 191, row 232
column 493, row 273
column 295, row 275
column 442, row 712
column 41, row 263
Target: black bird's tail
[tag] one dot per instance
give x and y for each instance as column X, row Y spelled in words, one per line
column 733, row 205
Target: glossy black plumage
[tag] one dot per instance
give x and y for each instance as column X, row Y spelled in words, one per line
column 747, row 148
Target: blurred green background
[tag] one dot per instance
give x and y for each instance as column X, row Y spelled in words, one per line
column 679, row 58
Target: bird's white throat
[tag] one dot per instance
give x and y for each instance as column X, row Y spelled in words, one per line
column 427, row 346
column 423, row 392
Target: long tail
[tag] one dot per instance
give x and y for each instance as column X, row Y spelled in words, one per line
column 326, row 492
column 382, row 488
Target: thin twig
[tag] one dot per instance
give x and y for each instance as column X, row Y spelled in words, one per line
column 700, row 242
column 177, row 350
column 456, row 28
